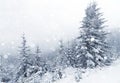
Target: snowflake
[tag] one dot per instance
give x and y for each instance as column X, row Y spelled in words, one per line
column 78, row 56
column 5, row 56
column 105, row 58
column 47, row 40
column 2, row 44
column 109, row 31
column 101, row 31
column 92, row 39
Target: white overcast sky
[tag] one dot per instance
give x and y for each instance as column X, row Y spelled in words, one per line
column 46, row 21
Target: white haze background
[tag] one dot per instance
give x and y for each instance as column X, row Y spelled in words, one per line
column 45, row 22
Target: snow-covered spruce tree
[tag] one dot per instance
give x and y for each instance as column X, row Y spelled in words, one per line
column 93, row 48
column 4, row 71
column 60, row 63
column 24, row 60
column 40, row 61
column 37, row 56
column 62, row 59
column 1, row 68
column 71, row 54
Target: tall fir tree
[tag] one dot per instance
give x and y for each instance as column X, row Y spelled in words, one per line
column 93, row 48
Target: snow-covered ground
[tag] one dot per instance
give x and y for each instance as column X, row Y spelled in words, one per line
column 109, row 74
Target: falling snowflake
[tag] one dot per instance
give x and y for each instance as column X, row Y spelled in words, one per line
column 92, row 39
column 105, row 58
column 47, row 40
column 3, row 44
column 5, row 56
column 109, row 31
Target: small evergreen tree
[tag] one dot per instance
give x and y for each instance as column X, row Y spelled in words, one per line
column 25, row 60
column 4, row 71
column 93, row 48
column 71, row 52
column 40, row 62
column 62, row 59
column 37, row 56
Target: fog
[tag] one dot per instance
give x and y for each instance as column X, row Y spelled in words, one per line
column 45, row 22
